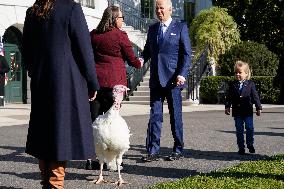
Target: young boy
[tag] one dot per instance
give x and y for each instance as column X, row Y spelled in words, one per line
column 241, row 97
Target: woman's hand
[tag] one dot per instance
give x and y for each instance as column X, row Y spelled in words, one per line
column 92, row 95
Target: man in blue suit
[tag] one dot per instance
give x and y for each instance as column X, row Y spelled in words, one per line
column 168, row 47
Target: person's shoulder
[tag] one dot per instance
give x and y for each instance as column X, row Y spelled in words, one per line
column 119, row 32
column 29, row 11
column 154, row 24
column 250, row 82
column 232, row 82
column 183, row 23
column 69, row 2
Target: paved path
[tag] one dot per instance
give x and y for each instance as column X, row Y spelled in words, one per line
column 209, row 145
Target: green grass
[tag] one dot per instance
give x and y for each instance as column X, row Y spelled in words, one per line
column 262, row 174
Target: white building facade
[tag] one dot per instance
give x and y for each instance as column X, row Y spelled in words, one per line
column 137, row 13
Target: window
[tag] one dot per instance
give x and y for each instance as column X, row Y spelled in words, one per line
column 147, row 9
column 188, row 11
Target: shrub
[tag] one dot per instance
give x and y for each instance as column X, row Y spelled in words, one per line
column 211, row 86
column 216, row 28
column 262, row 61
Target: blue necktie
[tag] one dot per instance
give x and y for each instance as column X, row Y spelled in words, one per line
column 160, row 34
column 241, row 86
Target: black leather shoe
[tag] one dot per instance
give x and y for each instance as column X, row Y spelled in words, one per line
column 251, row 149
column 96, row 165
column 88, row 165
column 151, row 157
column 174, row 156
column 242, row 151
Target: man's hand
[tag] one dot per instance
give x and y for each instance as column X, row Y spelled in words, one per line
column 180, row 80
column 92, row 95
column 227, row 111
column 141, row 61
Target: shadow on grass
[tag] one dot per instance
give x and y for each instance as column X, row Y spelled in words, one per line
column 241, row 175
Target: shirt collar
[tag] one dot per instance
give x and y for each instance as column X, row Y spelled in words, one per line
column 168, row 22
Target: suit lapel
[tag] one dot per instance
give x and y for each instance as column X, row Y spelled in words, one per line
column 236, row 87
column 167, row 32
column 156, row 32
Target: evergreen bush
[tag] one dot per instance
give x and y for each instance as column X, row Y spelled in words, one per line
column 212, row 89
column 262, row 61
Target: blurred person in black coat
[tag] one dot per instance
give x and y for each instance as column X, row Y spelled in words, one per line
column 58, row 55
column 4, row 68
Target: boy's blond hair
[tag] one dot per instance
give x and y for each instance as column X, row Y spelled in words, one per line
column 240, row 64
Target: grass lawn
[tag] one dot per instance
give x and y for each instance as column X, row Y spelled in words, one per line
column 262, row 174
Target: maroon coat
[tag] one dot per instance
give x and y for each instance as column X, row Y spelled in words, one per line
column 111, row 50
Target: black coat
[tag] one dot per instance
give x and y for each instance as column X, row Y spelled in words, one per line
column 242, row 102
column 4, row 67
column 58, row 55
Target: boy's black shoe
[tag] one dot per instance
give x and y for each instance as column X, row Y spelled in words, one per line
column 251, row 149
column 242, row 151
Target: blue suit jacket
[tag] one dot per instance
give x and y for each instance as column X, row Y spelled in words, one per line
column 172, row 57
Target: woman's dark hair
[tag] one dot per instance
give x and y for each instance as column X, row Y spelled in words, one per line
column 108, row 20
column 42, row 8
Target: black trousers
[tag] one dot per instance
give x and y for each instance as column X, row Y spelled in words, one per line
column 102, row 103
column 2, row 84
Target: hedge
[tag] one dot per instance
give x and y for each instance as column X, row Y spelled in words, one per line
column 262, row 61
column 212, row 89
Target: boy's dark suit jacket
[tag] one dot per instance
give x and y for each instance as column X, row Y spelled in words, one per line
column 242, row 101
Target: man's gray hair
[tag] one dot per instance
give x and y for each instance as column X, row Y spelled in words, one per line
column 168, row 2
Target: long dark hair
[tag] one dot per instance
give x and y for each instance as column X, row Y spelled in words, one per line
column 42, row 8
column 108, row 20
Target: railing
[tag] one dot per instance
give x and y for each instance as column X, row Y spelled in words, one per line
column 87, row 3
column 197, row 71
column 135, row 76
column 132, row 16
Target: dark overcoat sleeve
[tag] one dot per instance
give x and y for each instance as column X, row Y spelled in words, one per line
column 185, row 47
column 82, row 48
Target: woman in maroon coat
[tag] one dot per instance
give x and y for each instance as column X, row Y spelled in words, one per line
column 111, row 48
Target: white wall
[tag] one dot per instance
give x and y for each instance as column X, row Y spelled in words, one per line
column 13, row 12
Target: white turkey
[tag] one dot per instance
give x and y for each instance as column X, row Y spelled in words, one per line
column 111, row 135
